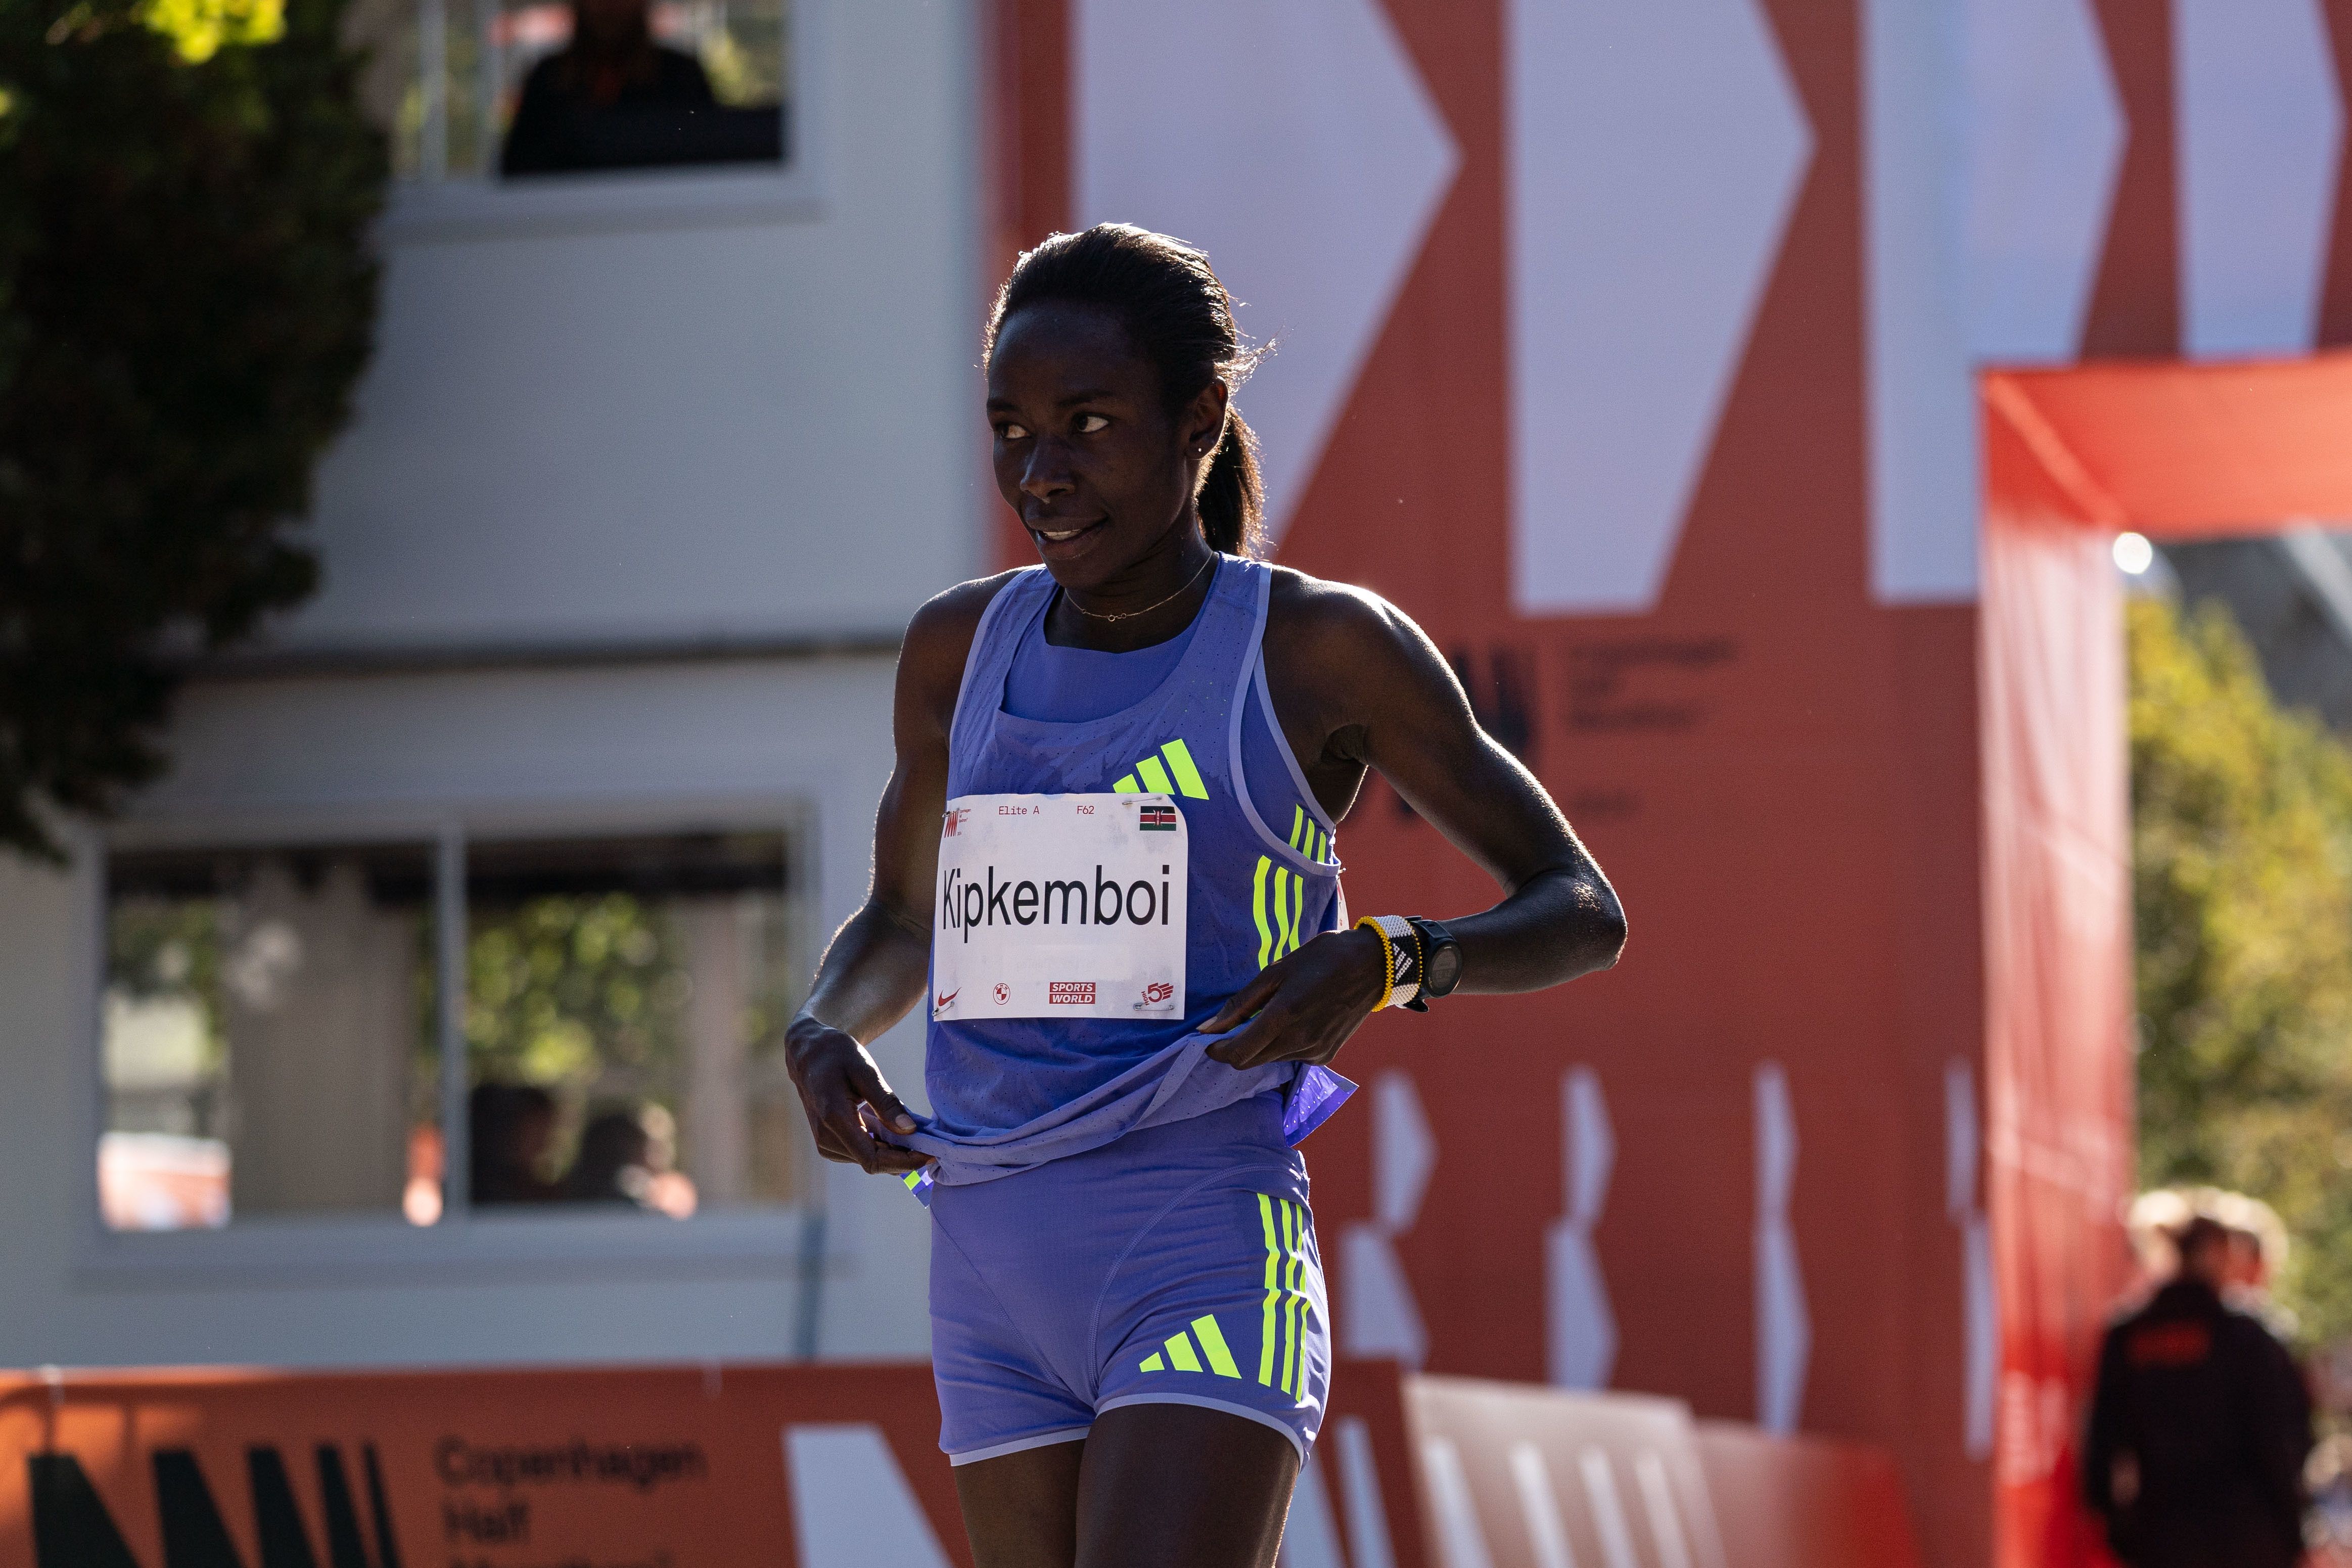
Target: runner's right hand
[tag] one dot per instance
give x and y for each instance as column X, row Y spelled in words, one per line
column 837, row 1081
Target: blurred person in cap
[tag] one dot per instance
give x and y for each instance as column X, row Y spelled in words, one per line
column 2155, row 1218
column 2258, row 1246
column 2199, row 1424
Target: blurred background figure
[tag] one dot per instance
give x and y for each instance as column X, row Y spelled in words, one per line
column 2256, row 1253
column 613, row 1165
column 611, row 86
column 614, row 98
column 2201, row 1424
column 2154, row 1220
column 2258, row 1248
column 511, row 1128
column 630, row 1157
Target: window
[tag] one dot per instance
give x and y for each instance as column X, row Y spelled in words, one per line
column 625, row 1007
column 273, row 1042
column 268, row 1037
column 517, row 90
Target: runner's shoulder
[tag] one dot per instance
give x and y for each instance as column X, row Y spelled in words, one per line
column 1330, row 625
column 940, row 635
column 949, row 619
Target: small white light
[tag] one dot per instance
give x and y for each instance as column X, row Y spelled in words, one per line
column 2133, row 553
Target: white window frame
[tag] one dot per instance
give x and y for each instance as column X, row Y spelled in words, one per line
column 718, row 195
column 782, row 1242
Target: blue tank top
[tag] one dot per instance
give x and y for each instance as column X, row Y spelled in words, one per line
column 1076, row 685
column 1010, row 1093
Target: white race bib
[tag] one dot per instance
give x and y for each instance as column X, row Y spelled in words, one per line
column 1060, row 905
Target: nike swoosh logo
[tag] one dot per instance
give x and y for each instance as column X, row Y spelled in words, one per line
column 948, row 998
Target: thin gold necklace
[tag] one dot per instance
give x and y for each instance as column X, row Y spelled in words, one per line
column 1131, row 615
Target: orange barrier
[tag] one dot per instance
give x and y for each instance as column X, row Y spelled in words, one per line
column 822, row 1466
column 838, row 1466
column 1804, row 1502
column 654, row 1468
column 1515, row 1475
column 1355, row 1505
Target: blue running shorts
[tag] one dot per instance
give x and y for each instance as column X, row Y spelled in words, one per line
column 1176, row 1265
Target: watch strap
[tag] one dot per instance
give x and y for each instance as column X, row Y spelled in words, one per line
column 1433, row 936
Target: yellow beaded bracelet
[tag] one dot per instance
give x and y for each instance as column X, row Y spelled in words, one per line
column 1400, row 962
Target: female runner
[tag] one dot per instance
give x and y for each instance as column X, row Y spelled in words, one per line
column 1108, row 858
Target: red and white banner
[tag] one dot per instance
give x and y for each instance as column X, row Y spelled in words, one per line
column 1628, row 348
column 838, row 1467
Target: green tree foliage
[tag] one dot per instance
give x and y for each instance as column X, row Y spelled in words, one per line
column 2243, row 894
column 586, row 994
column 185, row 302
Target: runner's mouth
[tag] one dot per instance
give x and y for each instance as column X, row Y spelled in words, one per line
column 1065, row 533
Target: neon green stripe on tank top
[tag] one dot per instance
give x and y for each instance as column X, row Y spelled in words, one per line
column 1178, row 777
column 1285, row 932
column 1266, row 951
column 1308, row 838
column 1287, row 897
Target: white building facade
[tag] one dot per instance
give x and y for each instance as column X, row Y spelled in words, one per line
column 552, row 791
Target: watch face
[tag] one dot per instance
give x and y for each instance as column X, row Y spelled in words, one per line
column 1445, row 968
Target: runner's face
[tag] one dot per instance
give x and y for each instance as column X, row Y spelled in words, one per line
column 1086, row 454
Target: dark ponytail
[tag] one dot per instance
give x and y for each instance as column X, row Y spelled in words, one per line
column 1232, row 499
column 1180, row 318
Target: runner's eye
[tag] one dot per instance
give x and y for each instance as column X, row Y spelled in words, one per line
column 1010, row 432
column 1090, row 423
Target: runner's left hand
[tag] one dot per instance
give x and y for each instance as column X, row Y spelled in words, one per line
column 1303, row 1008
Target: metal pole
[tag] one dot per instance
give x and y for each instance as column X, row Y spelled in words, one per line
column 491, row 78
column 812, row 1270
column 449, row 1005
column 433, row 85
column 805, row 880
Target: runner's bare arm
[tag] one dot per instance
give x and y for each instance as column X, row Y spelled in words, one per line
column 1409, row 720
column 874, row 968
column 1357, row 685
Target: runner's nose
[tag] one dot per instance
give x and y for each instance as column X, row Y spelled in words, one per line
column 1047, row 474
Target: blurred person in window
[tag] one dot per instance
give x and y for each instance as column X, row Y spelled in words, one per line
column 627, row 1157
column 2199, row 1425
column 510, row 1128
column 615, row 1164
column 611, row 98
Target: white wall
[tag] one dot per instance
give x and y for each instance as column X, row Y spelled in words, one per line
column 722, row 426
column 625, row 744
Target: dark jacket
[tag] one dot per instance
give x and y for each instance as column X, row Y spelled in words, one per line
column 579, row 115
column 2199, row 1426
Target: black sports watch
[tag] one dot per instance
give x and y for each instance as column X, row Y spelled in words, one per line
column 1441, row 961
